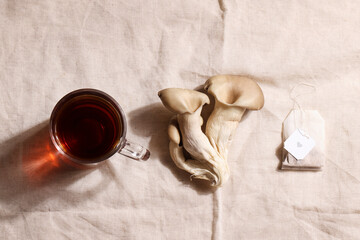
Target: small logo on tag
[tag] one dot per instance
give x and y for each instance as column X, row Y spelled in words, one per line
column 299, row 144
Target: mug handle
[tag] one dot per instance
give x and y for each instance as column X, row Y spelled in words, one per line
column 134, row 151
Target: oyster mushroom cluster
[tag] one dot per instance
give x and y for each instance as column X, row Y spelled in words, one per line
column 204, row 155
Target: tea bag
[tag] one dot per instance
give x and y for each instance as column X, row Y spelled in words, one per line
column 304, row 141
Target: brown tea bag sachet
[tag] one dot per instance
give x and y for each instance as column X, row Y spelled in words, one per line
column 304, row 141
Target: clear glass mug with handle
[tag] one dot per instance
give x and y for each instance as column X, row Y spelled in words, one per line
column 88, row 126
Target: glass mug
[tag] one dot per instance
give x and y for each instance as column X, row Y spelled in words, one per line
column 88, row 126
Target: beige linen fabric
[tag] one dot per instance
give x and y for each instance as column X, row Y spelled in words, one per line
column 132, row 49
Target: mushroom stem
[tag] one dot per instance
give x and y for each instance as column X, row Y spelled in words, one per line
column 193, row 137
column 195, row 168
column 199, row 147
column 220, row 135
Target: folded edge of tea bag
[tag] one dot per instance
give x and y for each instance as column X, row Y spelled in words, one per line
column 314, row 164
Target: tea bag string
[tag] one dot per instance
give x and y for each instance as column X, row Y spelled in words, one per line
column 296, row 104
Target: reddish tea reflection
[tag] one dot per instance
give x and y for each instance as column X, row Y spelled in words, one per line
column 41, row 160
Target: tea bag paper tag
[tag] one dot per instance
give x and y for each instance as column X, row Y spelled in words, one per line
column 299, row 144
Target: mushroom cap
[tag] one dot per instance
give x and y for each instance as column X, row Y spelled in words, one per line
column 180, row 101
column 234, row 90
column 173, row 131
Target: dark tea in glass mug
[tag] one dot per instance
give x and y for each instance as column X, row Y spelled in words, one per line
column 89, row 126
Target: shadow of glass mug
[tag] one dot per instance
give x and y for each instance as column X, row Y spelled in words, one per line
column 88, row 126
